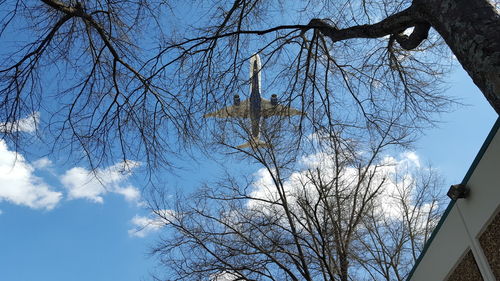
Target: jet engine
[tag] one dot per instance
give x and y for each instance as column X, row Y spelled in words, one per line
column 274, row 100
column 236, row 100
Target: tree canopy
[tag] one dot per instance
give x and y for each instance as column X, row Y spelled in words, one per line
column 132, row 79
column 346, row 212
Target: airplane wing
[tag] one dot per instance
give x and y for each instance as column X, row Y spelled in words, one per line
column 256, row 142
column 233, row 111
column 268, row 109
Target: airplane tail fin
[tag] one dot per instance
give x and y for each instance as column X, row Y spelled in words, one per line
column 254, row 143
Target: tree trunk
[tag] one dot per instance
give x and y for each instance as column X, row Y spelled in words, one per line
column 344, row 267
column 471, row 28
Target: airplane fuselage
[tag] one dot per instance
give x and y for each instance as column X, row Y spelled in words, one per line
column 255, row 108
column 255, row 101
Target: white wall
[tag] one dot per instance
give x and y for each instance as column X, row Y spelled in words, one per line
column 465, row 222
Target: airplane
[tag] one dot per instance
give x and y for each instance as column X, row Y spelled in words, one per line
column 255, row 107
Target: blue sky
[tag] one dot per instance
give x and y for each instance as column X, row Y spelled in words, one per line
column 52, row 229
column 452, row 145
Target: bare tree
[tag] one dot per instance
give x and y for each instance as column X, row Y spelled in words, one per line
column 348, row 213
column 78, row 65
column 393, row 240
column 131, row 79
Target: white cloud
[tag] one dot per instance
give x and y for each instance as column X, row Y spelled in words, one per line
column 130, row 193
column 390, row 173
column 411, row 158
column 145, row 225
column 82, row 183
column 20, row 186
column 27, row 125
column 225, row 276
column 42, row 163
